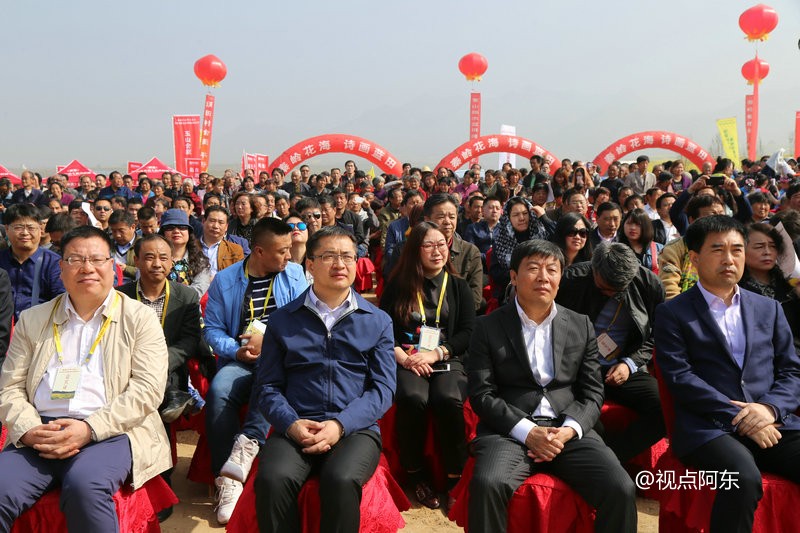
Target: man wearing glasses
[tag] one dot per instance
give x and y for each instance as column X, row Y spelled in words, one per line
column 311, row 213
column 79, row 391
column 241, row 300
column 33, row 271
column 102, row 212
column 326, row 375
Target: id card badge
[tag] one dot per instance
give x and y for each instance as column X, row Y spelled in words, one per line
column 256, row 327
column 606, row 346
column 428, row 338
column 66, row 383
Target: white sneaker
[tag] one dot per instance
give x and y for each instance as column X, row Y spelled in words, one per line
column 228, row 492
column 238, row 465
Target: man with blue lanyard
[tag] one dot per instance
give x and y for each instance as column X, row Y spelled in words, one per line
column 240, row 300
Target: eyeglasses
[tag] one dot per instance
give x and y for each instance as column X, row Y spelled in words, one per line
column 583, row 232
column 429, row 246
column 22, row 228
column 76, row 261
column 299, row 225
column 330, row 258
column 309, row 216
column 101, row 208
column 173, row 228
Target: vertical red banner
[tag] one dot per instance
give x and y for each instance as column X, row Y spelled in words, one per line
column 750, row 117
column 474, row 119
column 186, row 140
column 193, row 167
column 796, row 135
column 205, row 132
column 262, row 162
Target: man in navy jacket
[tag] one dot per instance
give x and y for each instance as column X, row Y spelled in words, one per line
column 325, row 377
column 729, row 362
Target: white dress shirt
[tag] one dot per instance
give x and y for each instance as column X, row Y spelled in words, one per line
column 330, row 316
column 539, row 347
column 77, row 337
column 212, row 252
column 729, row 320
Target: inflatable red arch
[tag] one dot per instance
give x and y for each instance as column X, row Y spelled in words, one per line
column 646, row 140
column 337, row 143
column 489, row 144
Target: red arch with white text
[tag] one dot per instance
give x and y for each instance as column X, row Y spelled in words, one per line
column 337, row 143
column 647, row 140
column 489, row 144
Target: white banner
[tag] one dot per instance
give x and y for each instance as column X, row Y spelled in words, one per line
column 506, row 157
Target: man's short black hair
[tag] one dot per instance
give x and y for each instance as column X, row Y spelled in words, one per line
column 217, row 209
column 437, row 199
column 137, row 246
column 699, row 202
column 20, row 211
column 664, row 197
column 329, row 231
column 146, row 213
column 121, row 216
column 86, row 232
column 61, row 222
column 535, row 247
column 607, row 206
column 696, row 233
column 268, row 227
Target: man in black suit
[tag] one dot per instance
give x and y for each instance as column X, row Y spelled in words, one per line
column 534, row 381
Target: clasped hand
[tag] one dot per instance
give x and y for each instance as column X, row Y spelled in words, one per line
column 315, row 437
column 59, row 439
column 420, row 363
column 757, row 422
column 545, row 443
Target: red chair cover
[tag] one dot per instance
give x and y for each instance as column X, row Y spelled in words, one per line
column 381, row 502
column 3, row 437
column 689, row 511
column 542, row 503
column 364, row 270
column 378, row 261
column 432, row 454
column 136, row 510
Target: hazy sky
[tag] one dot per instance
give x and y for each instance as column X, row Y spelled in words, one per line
column 99, row 81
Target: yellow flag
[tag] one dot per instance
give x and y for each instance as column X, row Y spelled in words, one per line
column 730, row 139
column 371, row 172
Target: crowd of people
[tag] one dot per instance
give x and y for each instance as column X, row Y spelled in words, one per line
column 533, row 292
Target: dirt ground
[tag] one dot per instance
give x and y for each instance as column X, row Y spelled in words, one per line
column 195, row 512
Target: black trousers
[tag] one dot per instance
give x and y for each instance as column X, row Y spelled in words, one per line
column 444, row 392
column 639, row 393
column 283, row 468
column 734, row 509
column 587, row 465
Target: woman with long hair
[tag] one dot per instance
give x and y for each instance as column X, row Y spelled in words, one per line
column 520, row 222
column 190, row 265
column 433, row 314
column 572, row 236
column 637, row 232
column 243, row 216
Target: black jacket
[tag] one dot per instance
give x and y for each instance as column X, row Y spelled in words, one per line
column 579, row 293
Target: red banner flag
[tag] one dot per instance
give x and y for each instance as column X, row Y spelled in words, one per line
column 205, row 132
column 249, row 161
column 193, row 167
column 262, row 163
column 132, row 166
column 750, row 118
column 474, row 120
column 185, row 140
column 796, row 135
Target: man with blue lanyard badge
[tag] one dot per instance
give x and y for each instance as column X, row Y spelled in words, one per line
column 240, row 300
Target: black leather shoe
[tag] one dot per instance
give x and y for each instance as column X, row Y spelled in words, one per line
column 164, row 514
column 174, row 404
column 426, row 496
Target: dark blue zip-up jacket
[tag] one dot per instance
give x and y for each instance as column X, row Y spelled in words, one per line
column 306, row 372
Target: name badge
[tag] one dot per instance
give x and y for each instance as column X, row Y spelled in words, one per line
column 606, row 346
column 66, row 383
column 428, row 338
column 256, row 327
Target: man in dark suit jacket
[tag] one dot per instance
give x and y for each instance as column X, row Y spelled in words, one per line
column 534, row 381
column 727, row 357
column 178, row 310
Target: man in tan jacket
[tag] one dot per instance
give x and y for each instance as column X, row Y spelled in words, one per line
column 79, row 392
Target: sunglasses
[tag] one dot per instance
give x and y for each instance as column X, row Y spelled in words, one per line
column 583, row 232
column 101, row 208
column 299, row 225
column 312, row 215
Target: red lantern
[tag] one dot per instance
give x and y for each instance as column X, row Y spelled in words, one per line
column 473, row 66
column 211, row 70
column 755, row 70
column 758, row 21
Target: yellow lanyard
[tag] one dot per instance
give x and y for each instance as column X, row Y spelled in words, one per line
column 266, row 300
column 614, row 319
column 95, row 344
column 438, row 307
column 166, row 302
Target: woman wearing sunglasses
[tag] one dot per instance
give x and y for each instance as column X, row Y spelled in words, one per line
column 433, row 313
column 571, row 235
column 299, row 238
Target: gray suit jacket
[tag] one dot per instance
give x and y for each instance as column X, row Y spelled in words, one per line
column 502, row 387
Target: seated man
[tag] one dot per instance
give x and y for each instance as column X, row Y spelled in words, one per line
column 240, row 301
column 79, row 392
column 620, row 297
column 221, row 253
column 728, row 359
column 534, row 381
column 327, row 374
column 123, row 231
